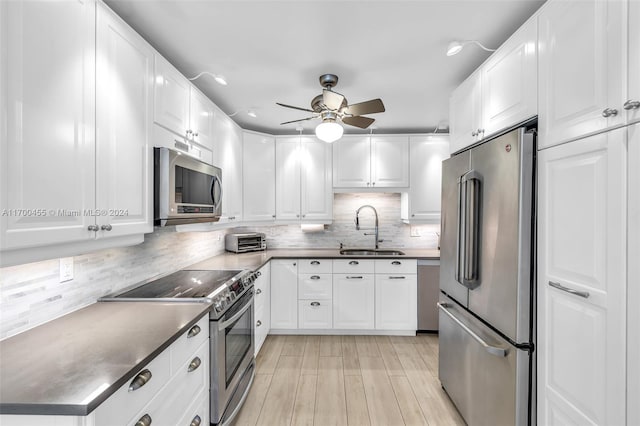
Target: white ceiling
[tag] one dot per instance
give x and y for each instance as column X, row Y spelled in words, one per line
column 274, row 51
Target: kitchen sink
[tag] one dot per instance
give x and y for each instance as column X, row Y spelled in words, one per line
column 370, row 252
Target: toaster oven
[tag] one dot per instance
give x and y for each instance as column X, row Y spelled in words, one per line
column 242, row 243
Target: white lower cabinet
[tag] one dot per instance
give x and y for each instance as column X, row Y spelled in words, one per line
column 353, row 301
column 284, row 294
column 582, row 240
column 315, row 293
column 315, row 314
column 262, row 305
column 396, row 294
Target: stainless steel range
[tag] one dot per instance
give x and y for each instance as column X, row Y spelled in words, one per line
column 230, row 325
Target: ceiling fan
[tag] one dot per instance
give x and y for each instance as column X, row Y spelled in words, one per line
column 332, row 107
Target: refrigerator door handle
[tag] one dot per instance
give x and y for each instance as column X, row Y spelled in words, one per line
column 471, row 197
column 459, row 231
column 493, row 350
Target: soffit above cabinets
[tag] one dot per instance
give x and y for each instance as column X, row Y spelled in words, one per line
column 274, row 51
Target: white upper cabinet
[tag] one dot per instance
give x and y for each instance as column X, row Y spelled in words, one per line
column 582, row 53
column 632, row 101
column 201, row 117
column 582, row 240
column 124, row 126
column 371, row 162
column 228, row 137
column 465, row 113
column 509, row 81
column 172, row 97
column 500, row 94
column 303, row 179
column 259, row 177
column 422, row 202
column 47, row 148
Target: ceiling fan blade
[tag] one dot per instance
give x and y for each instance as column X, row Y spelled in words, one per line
column 302, row 119
column 332, row 100
column 357, row 121
column 294, row 107
column 369, row 107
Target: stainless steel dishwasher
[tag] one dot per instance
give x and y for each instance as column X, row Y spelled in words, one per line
column 428, row 293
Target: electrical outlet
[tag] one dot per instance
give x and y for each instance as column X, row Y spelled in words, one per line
column 66, row 269
column 415, row 231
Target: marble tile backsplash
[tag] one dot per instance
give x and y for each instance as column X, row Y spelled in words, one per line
column 31, row 294
column 392, row 230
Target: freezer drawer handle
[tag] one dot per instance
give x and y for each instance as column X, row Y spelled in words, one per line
column 559, row 286
column 493, row 350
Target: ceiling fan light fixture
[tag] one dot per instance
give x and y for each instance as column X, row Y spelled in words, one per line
column 329, row 131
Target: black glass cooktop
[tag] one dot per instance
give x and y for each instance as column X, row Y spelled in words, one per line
column 191, row 284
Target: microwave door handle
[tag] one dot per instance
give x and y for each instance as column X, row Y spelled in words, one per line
column 213, row 195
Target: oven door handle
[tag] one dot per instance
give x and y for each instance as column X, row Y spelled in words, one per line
column 234, row 318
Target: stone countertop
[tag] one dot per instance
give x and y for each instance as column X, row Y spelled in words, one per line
column 70, row 365
column 255, row 260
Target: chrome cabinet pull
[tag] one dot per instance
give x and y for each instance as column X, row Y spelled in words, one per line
column 474, row 133
column 315, row 277
column 93, row 228
column 259, row 291
column 559, row 286
column 609, row 112
column 258, row 323
column 194, row 364
column 396, row 262
column 359, row 277
column 397, row 278
column 258, row 273
column 493, row 350
column 315, row 303
column 315, row 262
column 106, row 227
column 144, row 421
column 354, row 262
column 196, row 421
column 195, row 330
column 629, row 105
column 140, row 380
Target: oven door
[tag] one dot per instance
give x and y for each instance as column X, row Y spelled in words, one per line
column 232, row 348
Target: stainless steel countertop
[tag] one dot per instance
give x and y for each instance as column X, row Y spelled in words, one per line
column 255, row 260
column 70, row 365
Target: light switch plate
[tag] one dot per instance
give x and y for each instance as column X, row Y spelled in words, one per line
column 66, row 269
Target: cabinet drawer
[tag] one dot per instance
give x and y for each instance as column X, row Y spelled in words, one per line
column 348, row 266
column 260, row 298
column 185, row 386
column 123, row 405
column 315, row 314
column 189, row 342
column 315, row 286
column 199, row 409
column 396, row 266
column 315, row 266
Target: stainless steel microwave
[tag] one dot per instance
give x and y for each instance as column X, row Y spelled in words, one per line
column 185, row 190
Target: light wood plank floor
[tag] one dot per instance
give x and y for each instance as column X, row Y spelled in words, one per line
column 348, row 380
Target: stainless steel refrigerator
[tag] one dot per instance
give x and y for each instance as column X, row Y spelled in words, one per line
column 487, row 280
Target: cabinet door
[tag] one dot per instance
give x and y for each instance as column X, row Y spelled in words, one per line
column 389, row 161
column 465, row 113
column 288, row 178
column 633, row 91
column 510, row 81
column 228, row 157
column 633, row 272
column 201, row 117
column 171, row 106
column 582, row 48
column 396, row 302
column 259, row 177
column 124, row 126
column 351, row 164
column 353, row 301
column 284, row 294
column 427, row 155
column 315, row 314
column 47, row 148
column 316, row 183
column 581, row 247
